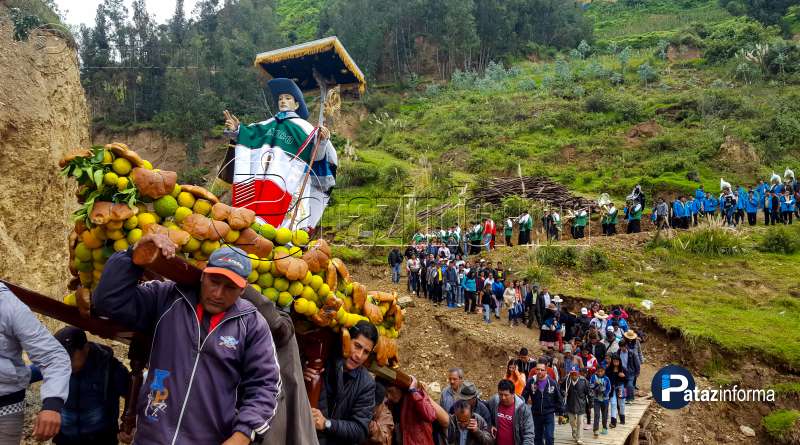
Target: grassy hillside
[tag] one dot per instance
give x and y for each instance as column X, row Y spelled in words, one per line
column 568, row 117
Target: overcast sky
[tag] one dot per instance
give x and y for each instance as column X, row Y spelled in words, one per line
column 83, row 11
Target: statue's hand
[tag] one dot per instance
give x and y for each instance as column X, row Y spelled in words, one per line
column 324, row 133
column 231, row 121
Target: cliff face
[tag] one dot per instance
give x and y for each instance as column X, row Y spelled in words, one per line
column 43, row 115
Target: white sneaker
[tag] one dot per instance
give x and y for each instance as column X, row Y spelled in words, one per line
column 579, row 442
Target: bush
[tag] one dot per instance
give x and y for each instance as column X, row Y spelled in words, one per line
column 193, row 176
column 557, row 256
column 780, row 240
column 597, row 103
column 374, row 102
column 710, row 240
column 721, row 104
column 536, row 274
column 394, row 174
column 595, row 259
column 348, row 254
column 354, row 174
column 779, row 424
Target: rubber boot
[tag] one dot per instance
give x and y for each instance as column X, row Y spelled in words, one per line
column 613, row 422
column 622, row 419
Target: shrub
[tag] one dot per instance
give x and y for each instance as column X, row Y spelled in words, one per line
column 710, row 240
column 557, row 256
column 394, row 174
column 528, row 85
column 374, row 102
column 348, row 254
column 779, row 424
column 194, row 176
column 597, row 103
column 354, row 174
column 595, row 260
column 780, row 240
column 629, row 109
column 536, row 274
column 721, row 104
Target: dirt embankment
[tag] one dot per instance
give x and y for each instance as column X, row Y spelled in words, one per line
column 165, row 152
column 43, row 115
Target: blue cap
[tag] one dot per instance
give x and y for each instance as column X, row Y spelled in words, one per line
column 282, row 85
column 231, row 262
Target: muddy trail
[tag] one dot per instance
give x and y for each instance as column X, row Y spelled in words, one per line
column 436, row 339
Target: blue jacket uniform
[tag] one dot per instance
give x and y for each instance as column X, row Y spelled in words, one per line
column 693, row 206
column 679, row 209
column 740, row 203
column 760, row 192
column 787, row 203
column 710, row 204
column 752, row 204
column 699, row 195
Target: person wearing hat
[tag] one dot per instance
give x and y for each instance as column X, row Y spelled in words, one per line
column 577, row 397
column 635, row 347
column 630, row 361
column 600, row 320
column 98, row 381
column 21, row 330
column 557, row 301
column 618, row 315
column 568, row 361
column 470, row 393
column 271, row 157
column 547, row 331
column 213, row 375
column 584, row 320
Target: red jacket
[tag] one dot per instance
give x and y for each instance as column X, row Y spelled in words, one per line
column 416, row 418
column 489, row 228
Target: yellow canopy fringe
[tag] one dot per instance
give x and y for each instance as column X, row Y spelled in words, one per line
column 310, row 48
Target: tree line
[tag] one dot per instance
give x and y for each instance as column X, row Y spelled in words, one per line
column 181, row 74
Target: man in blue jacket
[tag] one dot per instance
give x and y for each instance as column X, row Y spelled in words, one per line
column 710, row 204
column 700, row 193
column 213, row 375
column 544, row 397
column 751, row 207
column 741, row 204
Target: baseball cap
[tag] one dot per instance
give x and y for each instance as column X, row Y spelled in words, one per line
column 231, row 262
column 71, row 338
column 575, row 368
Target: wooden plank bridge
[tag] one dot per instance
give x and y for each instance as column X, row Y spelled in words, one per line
column 621, row 435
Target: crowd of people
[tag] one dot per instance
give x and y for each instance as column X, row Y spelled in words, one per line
column 590, row 365
column 777, row 201
column 735, row 205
